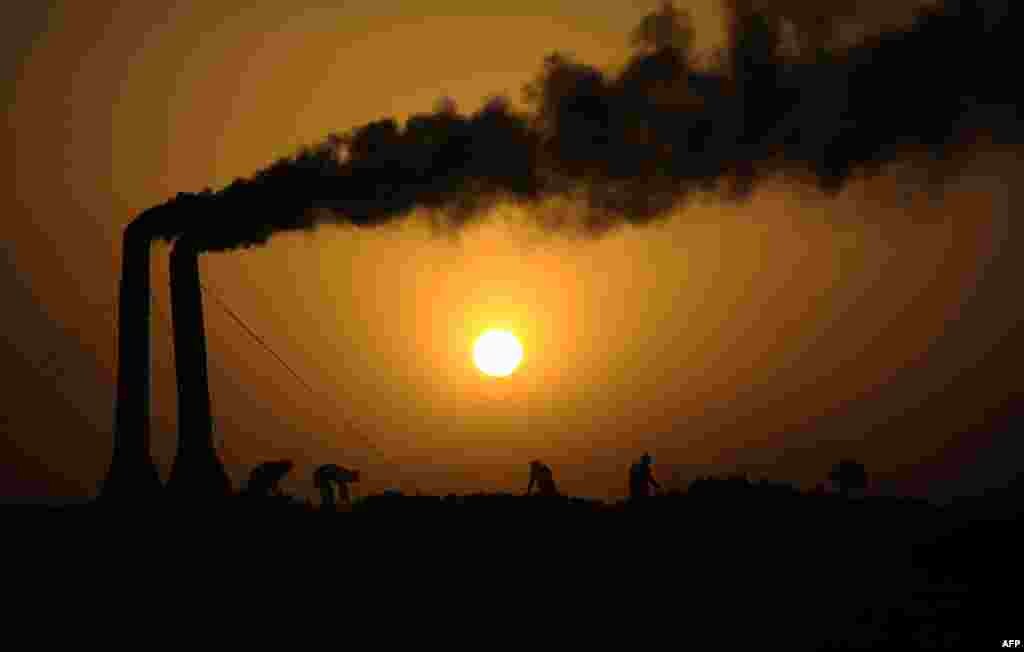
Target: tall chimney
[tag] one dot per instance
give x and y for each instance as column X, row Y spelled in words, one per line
column 132, row 476
column 197, row 473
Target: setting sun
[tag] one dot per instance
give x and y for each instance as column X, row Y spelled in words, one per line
column 497, row 353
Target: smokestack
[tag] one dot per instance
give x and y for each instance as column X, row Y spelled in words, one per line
column 132, row 475
column 197, row 473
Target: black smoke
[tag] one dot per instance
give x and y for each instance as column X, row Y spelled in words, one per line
column 634, row 146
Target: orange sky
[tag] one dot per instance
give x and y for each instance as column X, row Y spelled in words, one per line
column 776, row 335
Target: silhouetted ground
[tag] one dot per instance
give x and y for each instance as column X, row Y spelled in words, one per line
column 760, row 563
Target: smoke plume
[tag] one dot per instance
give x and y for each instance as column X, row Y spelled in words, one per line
column 634, row 146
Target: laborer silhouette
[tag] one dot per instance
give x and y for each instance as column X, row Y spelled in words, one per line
column 540, row 474
column 264, row 479
column 641, row 478
column 326, row 477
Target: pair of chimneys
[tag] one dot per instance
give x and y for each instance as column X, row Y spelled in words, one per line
column 197, row 473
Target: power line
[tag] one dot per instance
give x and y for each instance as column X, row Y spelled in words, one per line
column 219, row 299
column 256, row 337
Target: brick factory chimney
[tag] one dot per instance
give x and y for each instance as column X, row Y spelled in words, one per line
column 198, row 473
column 132, row 476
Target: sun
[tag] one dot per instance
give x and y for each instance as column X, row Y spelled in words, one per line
column 497, row 353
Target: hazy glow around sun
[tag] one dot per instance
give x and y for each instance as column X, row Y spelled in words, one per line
column 497, row 353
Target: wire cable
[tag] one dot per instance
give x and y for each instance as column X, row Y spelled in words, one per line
column 262, row 342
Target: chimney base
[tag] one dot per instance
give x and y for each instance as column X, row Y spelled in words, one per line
column 198, row 476
column 131, row 481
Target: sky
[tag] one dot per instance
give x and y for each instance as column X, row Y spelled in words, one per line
column 772, row 337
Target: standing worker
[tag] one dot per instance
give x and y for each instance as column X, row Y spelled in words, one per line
column 641, row 479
